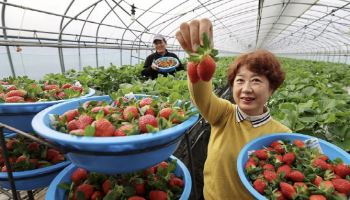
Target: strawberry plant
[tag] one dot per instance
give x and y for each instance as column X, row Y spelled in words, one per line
column 123, row 117
column 155, row 183
column 302, row 173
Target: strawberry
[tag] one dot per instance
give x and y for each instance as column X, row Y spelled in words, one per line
column 106, row 186
column 288, row 190
column 342, row 170
column 192, row 72
column 10, row 143
column 277, row 195
column 342, row 185
column 260, row 185
column 288, row 158
column 206, row 68
column 51, row 87
column 321, row 164
column 14, row 99
column 34, row 146
column 96, row 196
column 4, row 83
column 326, row 187
column 162, row 165
column 147, row 120
column 57, row 159
column 317, row 181
column 70, row 114
column 67, row 85
column 51, row 153
column 12, row 87
column 176, row 182
column 165, row 112
column 73, row 125
column 299, row 143
column 149, row 171
column 79, row 175
column 284, row 169
column 278, row 146
column 77, row 88
column 323, row 157
column 130, row 112
column 158, row 195
column 18, row 93
column 104, row 128
column 178, row 117
column 296, row 176
column 86, row 189
column 300, row 185
column 140, row 188
column 270, row 175
column 84, row 121
column 124, row 130
column 136, row 198
column 249, row 166
column 269, row 167
column 317, row 197
column 97, row 109
column 261, row 154
column 60, row 95
column 145, row 101
column 278, row 159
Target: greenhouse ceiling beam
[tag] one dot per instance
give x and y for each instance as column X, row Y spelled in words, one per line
column 5, row 37
column 334, row 10
column 258, row 21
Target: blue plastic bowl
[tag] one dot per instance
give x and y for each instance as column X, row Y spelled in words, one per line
column 56, row 193
column 167, row 69
column 329, row 149
column 33, row 179
column 93, row 160
column 20, row 115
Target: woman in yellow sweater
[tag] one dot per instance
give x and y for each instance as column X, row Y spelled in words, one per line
column 253, row 77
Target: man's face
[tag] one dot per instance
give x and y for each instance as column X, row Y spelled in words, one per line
column 160, row 46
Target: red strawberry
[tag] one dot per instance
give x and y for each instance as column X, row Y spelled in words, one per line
column 317, row 180
column 299, row 143
column 60, row 95
column 149, row 171
column 342, row 170
column 326, row 187
column 284, row 169
column 288, row 158
column 260, row 185
column 269, row 167
column 296, row 176
column 97, row 109
column 86, row 189
column 19, row 93
column 149, row 111
column 14, row 99
column 51, row 87
column 145, row 101
column 250, row 165
column 123, row 130
column 104, row 128
column 158, row 195
column 192, row 72
column 278, row 159
column 67, row 85
column 288, row 190
column 73, row 125
column 136, row 198
column 79, row 175
column 34, row 146
column 321, row 164
column 4, row 83
column 130, row 112
column 165, row 112
column 270, row 175
column 301, row 185
column 261, row 154
column 106, row 186
column 140, row 188
column 147, row 120
column 84, row 121
column 77, row 88
column 178, row 117
column 317, row 197
column 176, row 182
column 206, row 68
column 278, row 146
column 10, row 143
column 96, row 196
column 51, row 153
column 58, row 158
column 70, row 114
column 12, row 87
column 323, row 157
column 278, row 195
column 162, row 165
column 342, row 185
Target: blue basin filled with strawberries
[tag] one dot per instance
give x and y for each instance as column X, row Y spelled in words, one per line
column 20, row 115
column 57, row 193
column 111, row 154
column 331, row 151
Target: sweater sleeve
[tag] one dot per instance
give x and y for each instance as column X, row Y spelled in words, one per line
column 211, row 107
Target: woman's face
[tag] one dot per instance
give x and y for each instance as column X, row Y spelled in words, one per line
column 160, row 46
column 251, row 91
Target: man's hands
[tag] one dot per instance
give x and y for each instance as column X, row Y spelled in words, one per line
column 154, row 66
column 190, row 36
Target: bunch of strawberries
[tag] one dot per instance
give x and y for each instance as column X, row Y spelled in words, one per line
column 34, row 92
column 122, row 118
column 25, row 154
column 286, row 170
column 155, row 183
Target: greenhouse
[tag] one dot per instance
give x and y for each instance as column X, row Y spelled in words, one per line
column 168, row 100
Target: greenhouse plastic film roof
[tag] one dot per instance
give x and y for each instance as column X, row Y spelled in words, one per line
column 78, row 33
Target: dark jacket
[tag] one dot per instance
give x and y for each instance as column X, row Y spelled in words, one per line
column 153, row 74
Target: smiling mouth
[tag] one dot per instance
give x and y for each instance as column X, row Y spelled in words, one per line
column 247, row 99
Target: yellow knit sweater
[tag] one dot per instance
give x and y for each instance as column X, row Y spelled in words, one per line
column 228, row 137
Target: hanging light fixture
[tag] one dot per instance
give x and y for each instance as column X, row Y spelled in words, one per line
column 133, row 11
